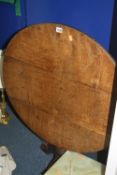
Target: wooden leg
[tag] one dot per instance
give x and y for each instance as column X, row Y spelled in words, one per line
column 51, row 149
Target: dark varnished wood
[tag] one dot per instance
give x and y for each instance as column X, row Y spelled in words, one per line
column 60, row 84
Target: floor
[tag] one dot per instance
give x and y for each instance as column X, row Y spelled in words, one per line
column 24, row 147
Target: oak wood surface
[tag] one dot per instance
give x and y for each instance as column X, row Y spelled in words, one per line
column 60, row 84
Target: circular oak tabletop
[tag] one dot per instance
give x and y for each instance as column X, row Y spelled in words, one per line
column 59, row 81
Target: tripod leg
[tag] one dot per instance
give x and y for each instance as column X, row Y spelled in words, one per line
column 57, row 153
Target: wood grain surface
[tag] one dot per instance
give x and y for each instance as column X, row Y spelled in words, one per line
column 60, row 84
